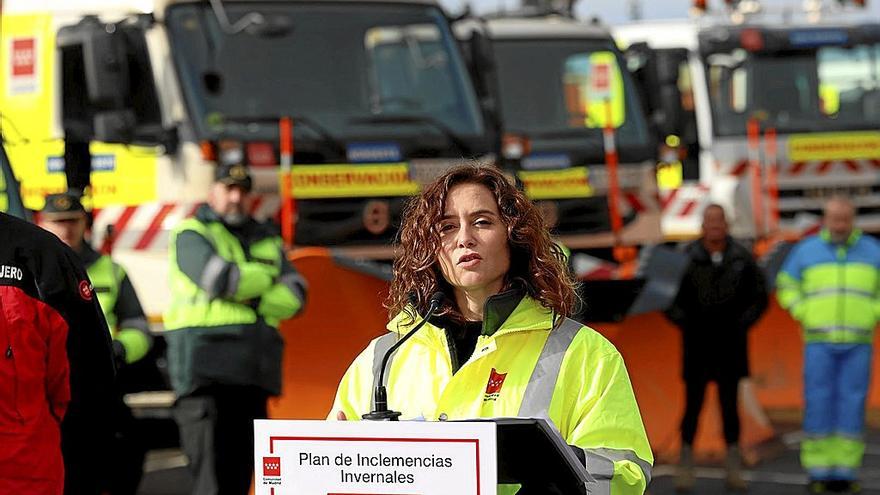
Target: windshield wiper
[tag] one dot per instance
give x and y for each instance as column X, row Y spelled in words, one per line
column 298, row 120
column 322, row 132
column 462, row 147
column 569, row 133
column 253, row 22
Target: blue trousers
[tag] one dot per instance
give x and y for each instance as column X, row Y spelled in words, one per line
column 836, row 378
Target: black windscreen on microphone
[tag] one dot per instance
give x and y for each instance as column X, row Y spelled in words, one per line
column 437, row 299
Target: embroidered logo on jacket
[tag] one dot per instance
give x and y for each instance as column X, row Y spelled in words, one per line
column 85, row 290
column 493, row 387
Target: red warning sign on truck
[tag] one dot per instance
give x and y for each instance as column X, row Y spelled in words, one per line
column 23, row 65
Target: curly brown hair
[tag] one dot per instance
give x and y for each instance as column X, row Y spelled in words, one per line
column 537, row 264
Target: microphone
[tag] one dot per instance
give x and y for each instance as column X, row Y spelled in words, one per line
column 381, row 411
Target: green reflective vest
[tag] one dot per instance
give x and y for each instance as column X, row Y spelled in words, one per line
column 106, row 276
column 832, row 290
column 224, row 340
column 191, row 305
column 529, row 367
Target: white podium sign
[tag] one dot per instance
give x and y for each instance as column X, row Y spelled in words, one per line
column 375, row 458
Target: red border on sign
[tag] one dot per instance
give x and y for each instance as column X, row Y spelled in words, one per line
column 474, row 441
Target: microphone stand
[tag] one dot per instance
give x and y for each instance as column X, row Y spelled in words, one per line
column 380, row 410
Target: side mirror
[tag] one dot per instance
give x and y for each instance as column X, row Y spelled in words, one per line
column 169, row 139
column 114, row 126
column 657, row 72
column 669, row 115
column 106, row 68
column 96, row 88
column 481, row 64
column 482, row 67
column 481, row 52
column 666, row 66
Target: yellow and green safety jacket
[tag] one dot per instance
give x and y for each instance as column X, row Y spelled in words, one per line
column 119, row 302
column 833, row 290
column 230, row 288
column 526, row 363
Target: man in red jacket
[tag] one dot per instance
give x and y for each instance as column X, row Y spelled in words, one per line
column 56, row 368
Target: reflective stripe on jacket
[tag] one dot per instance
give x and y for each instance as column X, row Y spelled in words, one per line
column 570, row 375
column 833, row 290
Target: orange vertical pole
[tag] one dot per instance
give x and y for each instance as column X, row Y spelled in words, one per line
column 611, row 160
column 623, row 255
column 772, row 178
column 285, row 132
column 754, row 136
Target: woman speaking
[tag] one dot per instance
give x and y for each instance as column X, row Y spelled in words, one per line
column 500, row 343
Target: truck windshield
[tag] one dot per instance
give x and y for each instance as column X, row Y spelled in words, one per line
column 336, row 64
column 824, row 89
column 548, row 89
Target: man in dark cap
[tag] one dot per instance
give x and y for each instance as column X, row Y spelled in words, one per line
column 231, row 285
column 64, row 216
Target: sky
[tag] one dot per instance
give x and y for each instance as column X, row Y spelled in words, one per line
column 617, row 11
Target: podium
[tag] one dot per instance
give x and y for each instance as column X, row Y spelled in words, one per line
column 468, row 457
column 532, row 453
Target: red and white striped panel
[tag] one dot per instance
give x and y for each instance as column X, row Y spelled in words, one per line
column 737, row 169
column 588, row 267
column 633, row 202
column 802, row 225
column 682, row 209
column 146, row 227
column 141, row 228
column 266, row 207
column 684, row 202
column 816, row 167
column 824, row 167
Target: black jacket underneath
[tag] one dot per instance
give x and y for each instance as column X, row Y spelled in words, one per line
column 715, row 307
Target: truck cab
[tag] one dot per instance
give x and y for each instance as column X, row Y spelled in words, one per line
column 808, row 87
column 555, row 84
column 376, row 89
column 135, row 102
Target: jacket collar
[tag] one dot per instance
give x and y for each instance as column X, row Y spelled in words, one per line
column 854, row 236
column 505, row 312
column 699, row 252
column 87, row 254
column 205, row 214
column 250, row 229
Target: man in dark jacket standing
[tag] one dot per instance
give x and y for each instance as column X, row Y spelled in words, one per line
column 56, row 368
column 722, row 294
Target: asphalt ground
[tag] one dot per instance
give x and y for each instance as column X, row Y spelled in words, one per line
column 779, row 472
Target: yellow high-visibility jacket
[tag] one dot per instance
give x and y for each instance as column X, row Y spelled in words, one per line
column 523, row 365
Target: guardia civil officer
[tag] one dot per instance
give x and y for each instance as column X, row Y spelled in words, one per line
column 65, row 216
column 231, row 286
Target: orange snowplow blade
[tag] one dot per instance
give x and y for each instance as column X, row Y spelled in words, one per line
column 651, row 348
column 343, row 313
